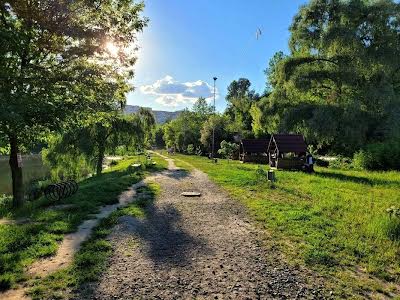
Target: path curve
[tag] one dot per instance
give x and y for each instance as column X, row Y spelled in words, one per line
column 196, row 248
column 70, row 245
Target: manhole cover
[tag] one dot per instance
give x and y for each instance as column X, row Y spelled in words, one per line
column 191, row 194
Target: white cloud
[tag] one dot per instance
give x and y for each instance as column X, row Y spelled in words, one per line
column 172, row 93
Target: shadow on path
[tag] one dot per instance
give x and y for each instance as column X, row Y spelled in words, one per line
column 176, row 174
column 164, row 239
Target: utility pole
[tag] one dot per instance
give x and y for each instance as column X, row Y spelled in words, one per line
column 213, row 135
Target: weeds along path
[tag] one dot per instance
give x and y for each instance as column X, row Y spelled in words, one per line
column 196, row 248
column 71, row 244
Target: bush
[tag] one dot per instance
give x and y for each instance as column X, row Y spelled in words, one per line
column 190, row 149
column 379, row 156
column 228, row 150
column 341, row 163
column 393, row 226
column 261, row 174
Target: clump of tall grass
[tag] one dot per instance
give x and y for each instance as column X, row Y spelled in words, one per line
column 393, row 227
column 262, row 177
column 261, row 174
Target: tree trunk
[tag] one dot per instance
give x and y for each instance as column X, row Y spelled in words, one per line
column 16, row 173
column 100, row 160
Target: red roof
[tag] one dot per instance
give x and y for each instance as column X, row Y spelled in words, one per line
column 287, row 143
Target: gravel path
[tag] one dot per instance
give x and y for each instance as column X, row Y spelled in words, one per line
column 196, row 248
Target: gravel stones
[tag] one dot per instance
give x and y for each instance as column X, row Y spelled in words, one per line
column 196, row 248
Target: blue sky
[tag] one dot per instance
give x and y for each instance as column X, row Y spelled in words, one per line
column 189, row 42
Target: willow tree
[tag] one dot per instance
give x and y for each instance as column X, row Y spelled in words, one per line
column 100, row 135
column 340, row 85
column 148, row 122
column 61, row 60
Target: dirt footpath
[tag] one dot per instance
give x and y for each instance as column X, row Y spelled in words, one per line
column 196, row 248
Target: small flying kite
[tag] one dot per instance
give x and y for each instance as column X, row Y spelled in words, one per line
column 258, row 33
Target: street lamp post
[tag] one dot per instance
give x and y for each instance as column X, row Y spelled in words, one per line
column 213, row 135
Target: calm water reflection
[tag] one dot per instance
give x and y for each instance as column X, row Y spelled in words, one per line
column 33, row 168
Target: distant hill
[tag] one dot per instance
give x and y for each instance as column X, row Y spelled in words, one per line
column 160, row 116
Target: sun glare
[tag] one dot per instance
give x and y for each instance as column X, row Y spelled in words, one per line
column 112, row 48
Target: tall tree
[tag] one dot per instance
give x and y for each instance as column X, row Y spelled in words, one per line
column 340, row 86
column 271, row 71
column 148, row 121
column 219, row 123
column 59, row 60
column 240, row 99
column 202, row 108
column 104, row 134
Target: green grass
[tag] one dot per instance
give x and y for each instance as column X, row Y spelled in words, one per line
column 22, row 244
column 333, row 221
column 91, row 259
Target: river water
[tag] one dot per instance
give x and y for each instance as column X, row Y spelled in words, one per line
column 33, row 168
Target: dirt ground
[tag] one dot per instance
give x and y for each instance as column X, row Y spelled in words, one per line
column 196, row 248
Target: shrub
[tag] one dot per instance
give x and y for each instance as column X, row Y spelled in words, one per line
column 341, row 163
column 228, row 150
column 261, row 174
column 393, row 229
column 379, row 156
column 190, row 149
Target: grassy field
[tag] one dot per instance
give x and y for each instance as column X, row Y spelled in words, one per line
column 22, row 244
column 333, row 221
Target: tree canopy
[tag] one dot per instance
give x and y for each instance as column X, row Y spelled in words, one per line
column 57, row 64
column 340, row 84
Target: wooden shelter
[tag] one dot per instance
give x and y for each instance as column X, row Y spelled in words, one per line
column 253, row 150
column 287, row 151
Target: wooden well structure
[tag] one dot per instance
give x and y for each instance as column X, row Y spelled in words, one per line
column 287, row 151
column 254, row 150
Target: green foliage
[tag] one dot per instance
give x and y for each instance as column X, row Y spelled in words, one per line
column 202, row 108
column 260, row 123
column 56, row 69
column 220, row 123
column 393, row 226
column 65, row 165
column 190, row 149
column 82, row 149
column 272, row 71
column 148, row 122
column 228, row 150
column 240, row 100
column 159, row 137
column 379, row 156
column 185, row 130
column 339, row 86
column 341, row 162
column 261, row 174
